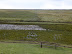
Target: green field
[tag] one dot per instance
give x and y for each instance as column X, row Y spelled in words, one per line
column 21, row 48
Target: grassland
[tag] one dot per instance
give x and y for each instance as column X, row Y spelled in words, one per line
column 63, row 37
column 35, row 15
column 58, row 25
column 21, row 48
column 54, row 21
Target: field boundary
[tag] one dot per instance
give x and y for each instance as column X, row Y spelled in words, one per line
column 44, row 44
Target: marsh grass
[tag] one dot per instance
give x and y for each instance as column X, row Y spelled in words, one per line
column 21, row 35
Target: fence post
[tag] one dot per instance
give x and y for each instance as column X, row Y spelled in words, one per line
column 41, row 44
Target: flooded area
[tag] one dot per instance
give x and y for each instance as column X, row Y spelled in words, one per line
column 20, row 27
